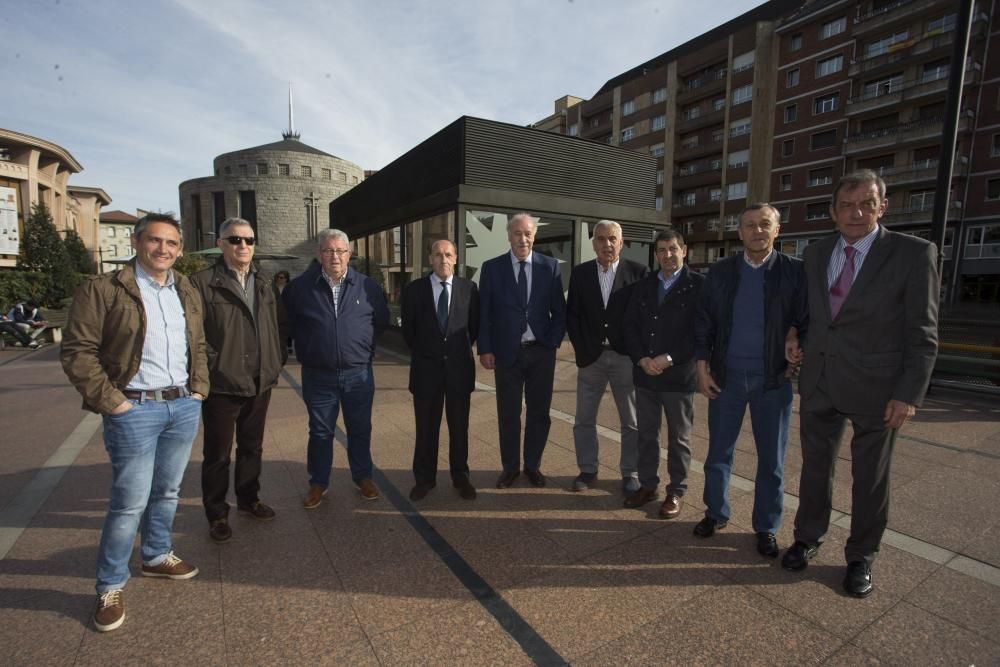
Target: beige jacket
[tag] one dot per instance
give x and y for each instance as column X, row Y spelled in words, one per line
column 103, row 338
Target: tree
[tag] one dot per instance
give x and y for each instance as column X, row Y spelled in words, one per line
column 43, row 251
column 79, row 256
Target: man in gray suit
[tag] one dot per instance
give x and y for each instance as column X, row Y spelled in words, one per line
column 868, row 359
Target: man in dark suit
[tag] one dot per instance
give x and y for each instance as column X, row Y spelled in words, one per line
column 868, row 359
column 659, row 337
column 598, row 295
column 440, row 324
column 521, row 324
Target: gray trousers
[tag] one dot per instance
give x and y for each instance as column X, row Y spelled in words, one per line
column 614, row 369
column 679, row 408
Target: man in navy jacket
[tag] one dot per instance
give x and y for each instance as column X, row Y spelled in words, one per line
column 522, row 323
column 336, row 315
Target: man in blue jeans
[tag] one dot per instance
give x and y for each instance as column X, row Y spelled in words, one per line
column 750, row 303
column 336, row 314
column 134, row 348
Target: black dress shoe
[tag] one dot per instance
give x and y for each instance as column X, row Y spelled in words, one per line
column 858, row 581
column 707, row 527
column 535, row 477
column 257, row 510
column 465, row 489
column 506, row 479
column 766, row 545
column 798, row 556
column 219, row 530
column 420, row 491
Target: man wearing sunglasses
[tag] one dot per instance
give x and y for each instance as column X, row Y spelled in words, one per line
column 244, row 333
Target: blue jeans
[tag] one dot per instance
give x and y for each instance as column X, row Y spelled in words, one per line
column 324, row 392
column 770, row 412
column 149, row 447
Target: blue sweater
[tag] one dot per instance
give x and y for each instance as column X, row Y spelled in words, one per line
column 328, row 339
column 746, row 346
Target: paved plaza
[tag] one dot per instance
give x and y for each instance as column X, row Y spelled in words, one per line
column 515, row 577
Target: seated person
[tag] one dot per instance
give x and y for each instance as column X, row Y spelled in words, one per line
column 27, row 318
column 7, row 326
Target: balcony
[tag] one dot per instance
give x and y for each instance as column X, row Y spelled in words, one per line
column 933, row 45
column 911, row 89
column 705, row 119
column 924, row 170
column 901, row 10
column 916, row 130
column 684, row 153
column 918, row 215
column 702, row 86
column 700, row 206
column 687, row 179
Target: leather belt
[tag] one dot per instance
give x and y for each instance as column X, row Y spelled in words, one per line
column 529, row 343
column 170, row 394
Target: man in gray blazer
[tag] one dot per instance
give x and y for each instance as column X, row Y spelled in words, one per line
column 868, row 359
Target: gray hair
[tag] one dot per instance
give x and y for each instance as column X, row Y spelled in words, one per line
column 325, row 235
column 430, row 250
column 522, row 216
column 762, row 206
column 608, row 223
column 858, row 178
column 232, row 222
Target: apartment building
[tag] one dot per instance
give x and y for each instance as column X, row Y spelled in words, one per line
column 778, row 103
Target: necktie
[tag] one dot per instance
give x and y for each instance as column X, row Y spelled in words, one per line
column 522, row 293
column 443, row 307
column 840, row 289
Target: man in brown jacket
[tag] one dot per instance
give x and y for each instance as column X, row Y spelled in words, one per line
column 245, row 355
column 134, row 349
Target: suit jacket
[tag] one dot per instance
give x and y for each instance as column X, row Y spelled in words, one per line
column 652, row 328
column 883, row 342
column 501, row 312
column 587, row 320
column 438, row 359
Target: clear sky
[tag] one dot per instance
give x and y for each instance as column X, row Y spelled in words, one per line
column 145, row 93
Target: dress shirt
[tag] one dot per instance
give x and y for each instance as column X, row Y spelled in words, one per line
column 667, row 282
column 335, row 287
column 528, row 334
column 606, row 277
column 436, row 289
column 838, row 258
column 165, row 347
column 757, row 265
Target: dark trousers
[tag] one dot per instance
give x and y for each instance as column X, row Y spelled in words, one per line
column 9, row 327
column 678, row 406
column 871, row 454
column 530, row 379
column 224, row 416
column 427, row 407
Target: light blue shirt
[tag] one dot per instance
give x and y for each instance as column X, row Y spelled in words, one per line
column 528, row 335
column 165, row 348
column 666, row 282
column 436, row 289
column 838, row 257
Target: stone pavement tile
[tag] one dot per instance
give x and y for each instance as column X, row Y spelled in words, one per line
column 293, row 559
column 726, row 625
column 586, row 532
column 816, row 594
column 26, row 577
column 963, row 600
column 374, row 533
column 465, row 635
column 388, row 594
column 45, row 629
column 908, row 635
column 986, row 547
column 166, row 622
column 851, row 656
column 278, row 625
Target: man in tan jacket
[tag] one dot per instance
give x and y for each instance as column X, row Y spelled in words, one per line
column 134, row 349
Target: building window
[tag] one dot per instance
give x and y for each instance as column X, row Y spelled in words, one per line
column 884, row 44
column 941, row 24
column 934, row 71
column 824, row 139
column 326, row 174
column 354, row 180
column 659, row 202
column 712, row 225
column 820, row 177
column 656, row 150
column 659, row 122
column 738, row 159
column 628, row 108
column 660, row 95
column 573, row 130
column 993, row 188
column 826, row 104
column 284, row 170
column 717, row 134
column 716, row 164
column 783, row 214
column 688, row 169
column 110, row 232
column 307, row 171
column 659, row 177
column 742, row 94
column 922, row 200
column 739, row 128
column 595, row 121
column 687, row 198
column 342, row 176
column 995, row 151
column 718, row 104
column 715, row 194
column 817, row 211
column 795, row 42
column 787, row 147
column 243, row 170
column 831, row 28
column 227, row 170
column 785, row 182
column 732, row 222
column 262, row 169
column 628, row 134
column 736, row 191
column 743, row 62
column 791, row 113
column 690, row 113
column 829, row 66
column 877, row 87
column 688, row 228
column 792, row 78
column 983, row 242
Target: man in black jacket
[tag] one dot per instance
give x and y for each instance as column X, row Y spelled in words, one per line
column 244, row 335
column 659, row 337
column 599, row 291
column 748, row 305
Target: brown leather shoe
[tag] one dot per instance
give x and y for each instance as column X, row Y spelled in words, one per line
column 671, row 507
column 110, row 612
column 641, row 497
column 314, row 497
column 368, row 489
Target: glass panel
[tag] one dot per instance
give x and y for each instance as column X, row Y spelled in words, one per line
column 486, row 238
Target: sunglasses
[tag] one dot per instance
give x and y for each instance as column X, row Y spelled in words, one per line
column 235, row 240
